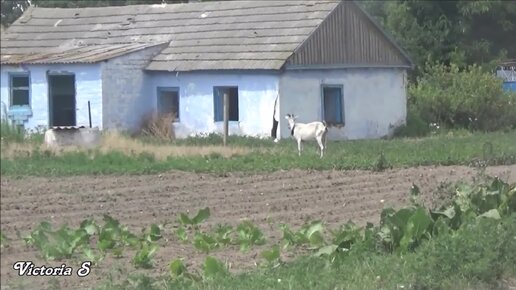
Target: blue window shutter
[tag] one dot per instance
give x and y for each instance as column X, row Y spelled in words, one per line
column 217, row 105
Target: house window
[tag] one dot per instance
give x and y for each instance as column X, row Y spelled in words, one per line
column 19, row 88
column 333, row 105
column 168, row 101
column 218, row 103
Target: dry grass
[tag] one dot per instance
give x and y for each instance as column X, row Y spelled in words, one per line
column 13, row 150
column 129, row 146
column 159, row 126
column 126, row 145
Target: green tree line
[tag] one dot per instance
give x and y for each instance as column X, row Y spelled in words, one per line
column 459, row 32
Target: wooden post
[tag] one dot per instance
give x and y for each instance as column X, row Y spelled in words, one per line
column 226, row 117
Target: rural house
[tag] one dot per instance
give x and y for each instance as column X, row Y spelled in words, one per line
column 321, row 60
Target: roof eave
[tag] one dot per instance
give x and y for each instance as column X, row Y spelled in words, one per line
column 345, row 66
column 215, row 70
column 32, row 59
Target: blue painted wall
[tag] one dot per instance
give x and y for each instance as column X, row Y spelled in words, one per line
column 374, row 100
column 121, row 93
column 256, row 91
column 88, row 87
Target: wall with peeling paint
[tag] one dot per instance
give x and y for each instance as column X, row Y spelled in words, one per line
column 88, row 87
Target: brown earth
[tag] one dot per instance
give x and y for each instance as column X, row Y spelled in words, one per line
column 290, row 197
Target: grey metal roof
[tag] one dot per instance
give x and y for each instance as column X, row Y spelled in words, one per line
column 200, row 36
column 81, row 54
column 207, row 35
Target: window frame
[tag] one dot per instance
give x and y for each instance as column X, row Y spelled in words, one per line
column 170, row 89
column 341, row 108
column 12, row 88
column 221, row 109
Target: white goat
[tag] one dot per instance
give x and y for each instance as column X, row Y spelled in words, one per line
column 304, row 132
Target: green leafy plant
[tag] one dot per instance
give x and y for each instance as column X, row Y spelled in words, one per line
column 205, row 242
column 144, row 254
column 179, row 272
column 309, row 233
column 3, row 240
column 57, row 245
column 114, row 237
column 272, row 257
column 147, row 248
column 223, row 234
column 248, row 235
column 194, row 222
column 403, row 229
column 491, row 198
column 346, row 235
column 381, row 163
column 214, row 268
column 181, row 234
column 219, row 237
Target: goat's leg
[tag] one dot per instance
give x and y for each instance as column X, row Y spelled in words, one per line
column 299, row 146
column 321, row 145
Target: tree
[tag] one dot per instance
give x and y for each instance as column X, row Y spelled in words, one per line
column 10, row 10
column 460, row 32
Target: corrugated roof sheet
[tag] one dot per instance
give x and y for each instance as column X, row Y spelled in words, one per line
column 82, row 54
column 67, row 128
column 207, row 35
column 200, row 36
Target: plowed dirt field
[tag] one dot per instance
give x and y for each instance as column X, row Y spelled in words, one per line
column 290, row 197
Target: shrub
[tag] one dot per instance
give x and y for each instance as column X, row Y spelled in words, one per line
column 159, row 126
column 10, row 132
column 480, row 251
column 415, row 127
column 469, row 98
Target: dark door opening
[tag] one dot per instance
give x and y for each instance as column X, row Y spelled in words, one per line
column 61, row 92
column 275, row 121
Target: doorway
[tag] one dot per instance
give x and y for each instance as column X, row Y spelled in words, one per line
column 61, row 92
column 275, row 120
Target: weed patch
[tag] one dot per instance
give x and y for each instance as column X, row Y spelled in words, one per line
column 134, row 156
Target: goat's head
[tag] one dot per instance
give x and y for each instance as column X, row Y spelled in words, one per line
column 291, row 118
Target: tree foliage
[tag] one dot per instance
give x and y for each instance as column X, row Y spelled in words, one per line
column 468, row 98
column 459, row 32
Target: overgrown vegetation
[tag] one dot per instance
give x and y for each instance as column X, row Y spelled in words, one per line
column 254, row 155
column 112, row 237
column 459, row 32
column 470, row 99
column 447, row 98
column 469, row 242
column 159, row 126
column 11, row 133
